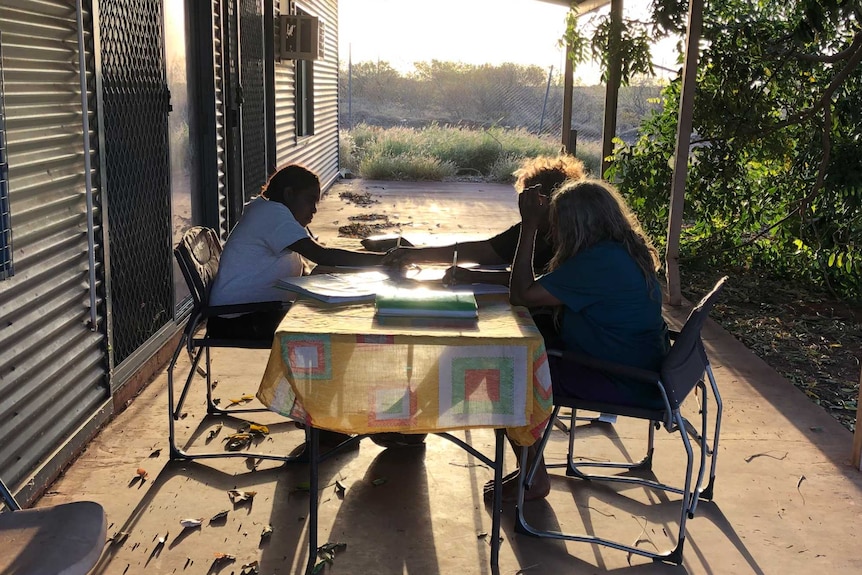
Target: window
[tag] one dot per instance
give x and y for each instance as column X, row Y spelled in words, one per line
column 304, row 94
column 304, row 97
column 6, row 269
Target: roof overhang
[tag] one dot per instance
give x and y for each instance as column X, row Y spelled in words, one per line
column 584, row 6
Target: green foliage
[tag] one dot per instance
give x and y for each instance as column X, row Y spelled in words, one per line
column 438, row 152
column 407, row 166
column 775, row 167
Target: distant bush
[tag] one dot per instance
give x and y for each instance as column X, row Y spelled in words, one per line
column 407, row 166
column 439, row 152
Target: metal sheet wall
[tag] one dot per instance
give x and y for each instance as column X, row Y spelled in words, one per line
column 220, row 120
column 53, row 368
column 320, row 151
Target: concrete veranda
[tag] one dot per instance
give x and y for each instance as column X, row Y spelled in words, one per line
column 786, row 498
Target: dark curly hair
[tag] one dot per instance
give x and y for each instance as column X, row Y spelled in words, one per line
column 287, row 179
column 549, row 172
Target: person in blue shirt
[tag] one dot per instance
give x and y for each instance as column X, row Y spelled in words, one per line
column 603, row 286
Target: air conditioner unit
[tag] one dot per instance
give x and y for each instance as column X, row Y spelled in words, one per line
column 301, row 37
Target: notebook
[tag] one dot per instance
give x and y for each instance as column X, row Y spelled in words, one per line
column 420, row 302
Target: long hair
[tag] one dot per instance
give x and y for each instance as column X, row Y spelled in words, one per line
column 287, row 179
column 586, row 212
column 549, row 172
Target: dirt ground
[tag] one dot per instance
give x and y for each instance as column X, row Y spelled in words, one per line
column 810, row 338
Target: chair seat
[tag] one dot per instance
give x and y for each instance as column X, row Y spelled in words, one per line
column 66, row 539
column 622, row 410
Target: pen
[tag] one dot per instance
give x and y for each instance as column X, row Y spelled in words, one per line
column 454, row 265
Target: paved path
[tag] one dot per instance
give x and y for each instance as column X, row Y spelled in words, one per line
column 786, row 499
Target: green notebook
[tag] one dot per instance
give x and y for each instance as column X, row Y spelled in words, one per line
column 419, row 302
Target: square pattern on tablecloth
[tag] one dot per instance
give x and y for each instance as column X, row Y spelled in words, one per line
column 483, row 384
column 392, row 407
column 307, row 356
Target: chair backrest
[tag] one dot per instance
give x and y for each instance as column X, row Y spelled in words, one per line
column 198, row 254
column 686, row 362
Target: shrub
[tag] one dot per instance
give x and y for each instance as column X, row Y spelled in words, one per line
column 441, row 152
column 405, row 167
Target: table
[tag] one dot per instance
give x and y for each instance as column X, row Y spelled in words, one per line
column 341, row 368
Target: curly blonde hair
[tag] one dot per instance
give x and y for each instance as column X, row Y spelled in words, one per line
column 586, row 212
column 549, row 172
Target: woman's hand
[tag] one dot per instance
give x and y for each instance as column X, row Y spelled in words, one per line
column 533, row 207
column 398, row 257
column 457, row 275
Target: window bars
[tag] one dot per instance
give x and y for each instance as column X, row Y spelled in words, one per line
column 6, row 268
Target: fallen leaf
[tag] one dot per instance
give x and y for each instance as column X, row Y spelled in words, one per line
column 156, row 452
column 237, row 496
column 223, row 557
column 189, row 523
column 142, row 473
column 339, row 489
column 267, row 531
column 220, row 516
column 379, row 481
column 213, row 432
column 237, row 441
column 119, row 537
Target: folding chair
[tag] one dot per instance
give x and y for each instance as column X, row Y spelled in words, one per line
column 198, row 254
column 65, row 539
column 681, row 372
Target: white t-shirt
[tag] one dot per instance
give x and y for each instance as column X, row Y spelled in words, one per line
column 256, row 255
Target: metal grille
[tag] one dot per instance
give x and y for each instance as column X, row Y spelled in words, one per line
column 254, row 97
column 137, row 170
column 6, row 269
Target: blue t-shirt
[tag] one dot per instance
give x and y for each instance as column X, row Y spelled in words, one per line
column 610, row 311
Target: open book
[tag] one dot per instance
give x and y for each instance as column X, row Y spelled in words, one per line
column 420, row 302
column 362, row 286
column 338, row 288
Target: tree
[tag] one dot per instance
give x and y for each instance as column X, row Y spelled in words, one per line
column 775, row 167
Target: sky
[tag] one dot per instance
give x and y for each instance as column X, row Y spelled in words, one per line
column 470, row 31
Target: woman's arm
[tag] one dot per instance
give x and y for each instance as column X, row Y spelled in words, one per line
column 523, row 287
column 322, row 255
column 479, row 252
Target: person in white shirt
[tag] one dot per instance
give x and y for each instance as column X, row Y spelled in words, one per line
column 266, row 245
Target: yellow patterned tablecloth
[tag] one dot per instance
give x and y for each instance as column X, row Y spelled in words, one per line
column 340, row 368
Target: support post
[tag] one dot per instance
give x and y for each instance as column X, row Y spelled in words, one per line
column 612, row 90
column 680, row 160
column 568, row 89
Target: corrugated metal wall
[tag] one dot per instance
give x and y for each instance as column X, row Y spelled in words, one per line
column 220, row 120
column 52, row 366
column 320, row 151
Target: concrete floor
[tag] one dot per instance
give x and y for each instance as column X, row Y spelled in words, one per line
column 786, row 500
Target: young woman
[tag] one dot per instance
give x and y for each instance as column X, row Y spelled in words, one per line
column 602, row 282
column 266, row 245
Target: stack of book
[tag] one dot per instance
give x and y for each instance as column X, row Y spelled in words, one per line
column 418, row 302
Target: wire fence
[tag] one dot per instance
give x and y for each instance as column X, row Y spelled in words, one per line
column 481, row 97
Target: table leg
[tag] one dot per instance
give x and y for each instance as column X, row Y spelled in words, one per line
column 312, row 438
column 498, row 497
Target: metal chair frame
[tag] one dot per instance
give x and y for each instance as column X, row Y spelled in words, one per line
column 682, row 371
column 198, row 256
